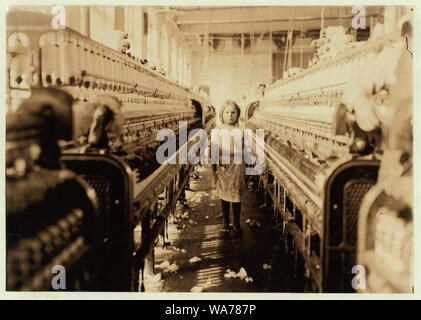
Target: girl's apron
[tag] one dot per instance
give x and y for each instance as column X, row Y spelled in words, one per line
column 230, row 184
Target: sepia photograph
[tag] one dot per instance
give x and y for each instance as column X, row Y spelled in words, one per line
column 209, row 148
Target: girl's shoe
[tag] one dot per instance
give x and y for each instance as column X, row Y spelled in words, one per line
column 237, row 229
column 225, row 228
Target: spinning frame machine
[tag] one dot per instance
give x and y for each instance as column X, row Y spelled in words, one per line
column 320, row 165
column 97, row 212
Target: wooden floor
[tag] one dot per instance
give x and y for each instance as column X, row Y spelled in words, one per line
column 260, row 251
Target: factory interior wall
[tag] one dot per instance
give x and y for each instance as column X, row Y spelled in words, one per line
column 232, row 74
column 151, row 35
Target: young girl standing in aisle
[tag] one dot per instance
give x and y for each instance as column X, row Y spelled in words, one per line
column 229, row 178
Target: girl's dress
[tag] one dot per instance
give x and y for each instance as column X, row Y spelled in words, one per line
column 230, row 183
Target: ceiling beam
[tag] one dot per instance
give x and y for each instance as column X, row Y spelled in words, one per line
column 261, row 26
column 259, row 13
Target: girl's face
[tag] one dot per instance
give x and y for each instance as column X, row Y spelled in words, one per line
column 230, row 115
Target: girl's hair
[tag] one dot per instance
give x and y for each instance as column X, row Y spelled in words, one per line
column 226, row 104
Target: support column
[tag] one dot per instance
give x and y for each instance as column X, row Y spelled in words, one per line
column 180, row 64
column 85, row 21
column 153, row 39
column 390, row 18
column 173, row 64
column 137, row 31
